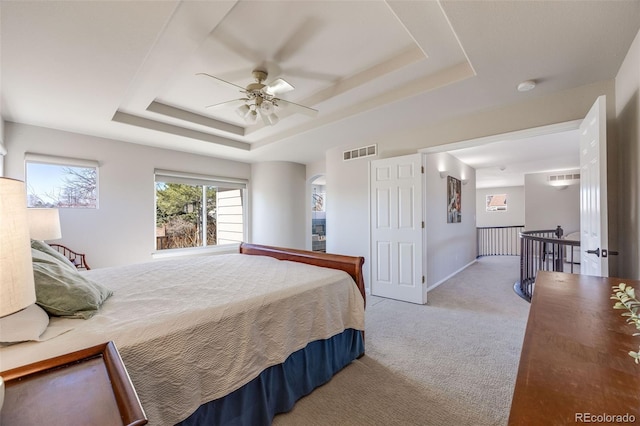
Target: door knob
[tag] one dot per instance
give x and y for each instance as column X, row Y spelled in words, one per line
column 606, row 253
column 596, row 252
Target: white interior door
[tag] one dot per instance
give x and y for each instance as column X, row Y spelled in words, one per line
column 396, row 228
column 593, row 191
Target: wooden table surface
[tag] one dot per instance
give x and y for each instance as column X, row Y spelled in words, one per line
column 574, row 367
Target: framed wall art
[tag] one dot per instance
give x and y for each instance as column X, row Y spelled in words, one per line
column 454, row 200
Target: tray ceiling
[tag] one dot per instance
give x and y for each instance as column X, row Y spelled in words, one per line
column 128, row 70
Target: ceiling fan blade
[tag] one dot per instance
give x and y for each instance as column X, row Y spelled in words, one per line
column 240, row 74
column 306, row 31
column 233, row 102
column 221, row 80
column 237, row 46
column 297, row 108
column 312, row 75
column 277, row 87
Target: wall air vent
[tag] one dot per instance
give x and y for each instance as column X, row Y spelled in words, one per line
column 365, row 151
column 563, row 180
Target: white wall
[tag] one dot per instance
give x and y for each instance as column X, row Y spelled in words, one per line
column 279, row 204
column 348, row 183
column 627, row 105
column 122, row 230
column 449, row 246
column 315, row 169
column 533, row 111
column 514, row 216
column 348, row 207
column 2, row 141
column 2, row 146
column 547, row 207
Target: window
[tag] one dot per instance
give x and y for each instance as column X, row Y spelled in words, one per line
column 196, row 211
column 497, row 203
column 61, row 182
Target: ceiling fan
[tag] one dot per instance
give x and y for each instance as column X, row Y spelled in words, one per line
column 262, row 99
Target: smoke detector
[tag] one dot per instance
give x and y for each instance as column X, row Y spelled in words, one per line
column 527, row 85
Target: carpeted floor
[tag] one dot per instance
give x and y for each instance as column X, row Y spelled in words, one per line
column 450, row 362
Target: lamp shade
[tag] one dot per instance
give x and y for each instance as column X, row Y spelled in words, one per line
column 17, row 289
column 44, row 224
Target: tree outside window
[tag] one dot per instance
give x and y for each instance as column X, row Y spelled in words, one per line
column 61, row 186
column 197, row 215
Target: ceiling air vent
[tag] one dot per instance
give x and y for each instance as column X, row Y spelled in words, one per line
column 365, row 151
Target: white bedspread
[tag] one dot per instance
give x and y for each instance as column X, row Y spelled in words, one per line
column 193, row 330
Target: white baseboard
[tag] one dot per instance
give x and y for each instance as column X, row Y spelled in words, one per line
column 450, row 275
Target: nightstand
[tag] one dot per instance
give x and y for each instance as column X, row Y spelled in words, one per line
column 87, row 387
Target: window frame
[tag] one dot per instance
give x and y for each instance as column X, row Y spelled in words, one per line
column 195, row 179
column 51, row 160
column 497, row 209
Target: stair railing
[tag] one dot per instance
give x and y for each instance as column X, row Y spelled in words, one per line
column 544, row 250
column 499, row 240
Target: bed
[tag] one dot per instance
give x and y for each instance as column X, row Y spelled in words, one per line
column 222, row 339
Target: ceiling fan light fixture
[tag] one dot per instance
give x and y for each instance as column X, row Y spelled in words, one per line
column 243, row 110
column 266, row 107
column 252, row 117
column 271, row 118
column 262, row 99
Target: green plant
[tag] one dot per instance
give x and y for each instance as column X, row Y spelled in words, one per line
column 625, row 297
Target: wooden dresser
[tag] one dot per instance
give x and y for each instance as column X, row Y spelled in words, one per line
column 574, row 367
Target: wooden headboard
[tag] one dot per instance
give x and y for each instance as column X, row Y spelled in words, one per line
column 352, row 265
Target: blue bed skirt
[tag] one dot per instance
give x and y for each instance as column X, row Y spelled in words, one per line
column 277, row 388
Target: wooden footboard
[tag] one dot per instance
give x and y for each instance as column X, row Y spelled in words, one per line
column 352, row 265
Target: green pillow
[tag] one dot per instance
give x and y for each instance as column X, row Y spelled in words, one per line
column 47, row 249
column 62, row 291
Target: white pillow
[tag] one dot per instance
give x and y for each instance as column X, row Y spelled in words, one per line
column 27, row 324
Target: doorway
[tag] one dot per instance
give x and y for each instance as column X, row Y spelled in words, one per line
column 318, row 214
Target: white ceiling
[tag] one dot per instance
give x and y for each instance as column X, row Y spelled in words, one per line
column 505, row 162
column 127, row 69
